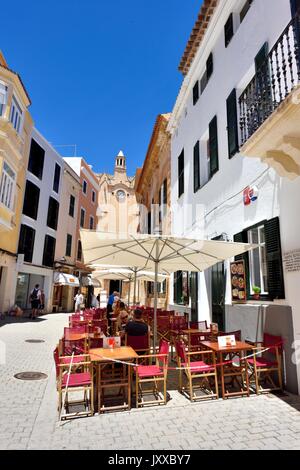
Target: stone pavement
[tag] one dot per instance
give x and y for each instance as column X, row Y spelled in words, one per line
column 28, row 416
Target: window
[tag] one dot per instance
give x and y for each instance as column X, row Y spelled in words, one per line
column 91, row 223
column 245, row 9
column 79, row 250
column 36, row 159
column 207, row 74
column 82, row 217
column 258, row 260
column 53, row 210
column 26, row 242
column 149, row 223
column 228, row 29
column 181, row 174
column 264, row 264
column 3, row 98
column 69, row 245
column 181, row 290
column 56, row 178
column 295, row 8
column 49, row 251
column 31, row 200
column 93, row 196
column 72, row 206
column 7, row 186
column 84, row 187
column 196, row 167
column 213, row 146
column 196, row 93
column 15, row 115
column 232, row 124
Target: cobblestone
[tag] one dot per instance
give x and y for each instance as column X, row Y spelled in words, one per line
column 28, row 415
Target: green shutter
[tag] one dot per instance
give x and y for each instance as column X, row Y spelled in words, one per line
column 196, row 167
column 228, row 30
column 196, row 93
column 232, row 124
column 209, row 66
column 181, row 174
column 213, row 146
column 274, row 259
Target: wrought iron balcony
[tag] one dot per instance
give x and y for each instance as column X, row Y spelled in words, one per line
column 272, row 83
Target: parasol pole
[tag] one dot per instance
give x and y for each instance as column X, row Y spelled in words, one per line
column 155, row 297
column 129, row 289
column 134, row 292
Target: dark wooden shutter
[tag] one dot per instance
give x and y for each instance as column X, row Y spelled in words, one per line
column 295, row 7
column 213, row 146
column 274, row 259
column 181, row 174
column 209, row 66
column 165, row 197
column 196, row 93
column 261, row 57
column 196, row 167
column 228, row 30
column 242, row 237
column 232, row 124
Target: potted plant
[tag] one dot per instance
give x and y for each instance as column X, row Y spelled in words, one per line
column 257, row 291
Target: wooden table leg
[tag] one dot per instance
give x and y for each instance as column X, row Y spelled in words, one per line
column 222, row 375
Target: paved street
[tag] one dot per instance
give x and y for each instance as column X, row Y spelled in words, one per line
column 28, row 417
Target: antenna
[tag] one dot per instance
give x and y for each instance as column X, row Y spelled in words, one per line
column 67, row 145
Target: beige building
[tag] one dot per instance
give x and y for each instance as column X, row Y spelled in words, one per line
column 15, row 131
column 118, row 211
column 152, row 187
column 65, row 276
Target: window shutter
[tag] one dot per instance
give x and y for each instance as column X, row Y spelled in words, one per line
column 295, row 7
column 196, row 167
column 213, row 146
column 232, row 124
column 274, row 259
column 228, row 30
column 165, row 198
column 181, row 174
column 196, row 93
column 209, row 66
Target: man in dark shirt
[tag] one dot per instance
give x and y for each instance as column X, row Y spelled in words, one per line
column 137, row 327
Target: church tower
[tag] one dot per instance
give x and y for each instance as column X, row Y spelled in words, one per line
column 120, row 165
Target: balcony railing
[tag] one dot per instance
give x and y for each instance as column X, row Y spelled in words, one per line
column 273, row 82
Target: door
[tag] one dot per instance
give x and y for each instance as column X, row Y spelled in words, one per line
column 194, row 296
column 114, row 286
column 218, row 287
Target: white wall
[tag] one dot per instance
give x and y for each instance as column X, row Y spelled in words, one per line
column 222, row 197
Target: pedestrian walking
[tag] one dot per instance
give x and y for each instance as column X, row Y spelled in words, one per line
column 78, row 301
column 34, row 298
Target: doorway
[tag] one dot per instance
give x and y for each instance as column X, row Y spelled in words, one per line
column 194, row 296
column 115, row 286
column 218, row 290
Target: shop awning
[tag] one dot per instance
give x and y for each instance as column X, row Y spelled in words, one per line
column 63, row 279
column 90, row 281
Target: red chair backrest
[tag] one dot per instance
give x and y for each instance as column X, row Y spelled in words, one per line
column 96, row 343
column 138, row 343
column 56, row 360
column 163, row 323
column 179, row 323
column 271, row 340
column 75, row 330
column 180, row 350
column 195, row 339
column 69, row 347
column 199, row 325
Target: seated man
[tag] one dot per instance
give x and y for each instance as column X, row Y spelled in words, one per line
column 136, row 327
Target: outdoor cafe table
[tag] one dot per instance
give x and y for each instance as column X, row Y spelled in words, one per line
column 230, row 370
column 104, row 358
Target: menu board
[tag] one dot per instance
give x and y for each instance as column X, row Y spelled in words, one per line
column 238, row 281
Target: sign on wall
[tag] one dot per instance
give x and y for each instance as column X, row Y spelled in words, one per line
column 292, row 261
column 238, row 281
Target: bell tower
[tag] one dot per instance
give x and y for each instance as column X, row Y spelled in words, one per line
column 120, row 165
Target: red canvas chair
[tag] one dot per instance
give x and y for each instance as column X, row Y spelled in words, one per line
column 102, row 324
column 199, row 325
column 204, row 371
column 164, row 327
column 154, row 374
column 141, row 344
column 75, row 376
column 69, row 347
column 267, row 364
column 79, row 330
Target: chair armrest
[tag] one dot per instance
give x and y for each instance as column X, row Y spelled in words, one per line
column 154, row 356
column 196, row 353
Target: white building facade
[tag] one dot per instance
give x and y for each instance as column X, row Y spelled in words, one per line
column 39, row 223
column 218, row 193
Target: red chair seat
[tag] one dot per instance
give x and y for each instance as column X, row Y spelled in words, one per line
column 77, row 380
column 262, row 362
column 76, row 360
column 149, row 371
column 199, row 366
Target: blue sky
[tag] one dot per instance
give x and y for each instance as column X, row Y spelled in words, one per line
column 98, row 71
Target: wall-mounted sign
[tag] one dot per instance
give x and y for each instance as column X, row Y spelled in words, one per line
column 292, row 261
column 250, row 195
column 238, row 281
